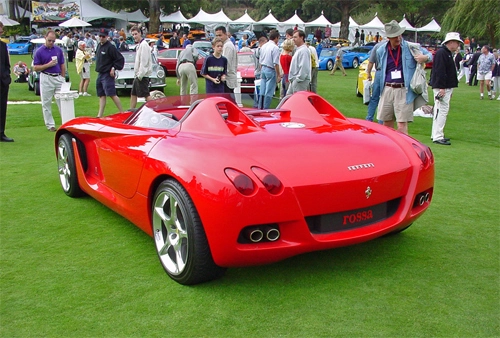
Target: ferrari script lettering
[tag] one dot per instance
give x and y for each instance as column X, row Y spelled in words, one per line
column 357, row 217
column 361, row 166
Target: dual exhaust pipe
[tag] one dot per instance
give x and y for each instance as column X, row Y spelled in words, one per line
column 424, row 198
column 260, row 234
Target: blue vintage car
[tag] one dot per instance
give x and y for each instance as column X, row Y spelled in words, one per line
column 327, row 58
column 22, row 45
column 353, row 57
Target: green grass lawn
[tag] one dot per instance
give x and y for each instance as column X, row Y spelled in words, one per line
column 73, row 268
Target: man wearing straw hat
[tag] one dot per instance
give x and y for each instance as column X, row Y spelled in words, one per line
column 397, row 65
column 443, row 80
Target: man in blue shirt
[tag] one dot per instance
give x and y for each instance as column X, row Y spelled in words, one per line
column 397, row 65
column 269, row 71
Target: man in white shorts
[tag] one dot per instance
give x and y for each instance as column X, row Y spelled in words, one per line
column 485, row 66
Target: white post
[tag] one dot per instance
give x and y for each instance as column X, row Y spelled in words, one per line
column 67, row 97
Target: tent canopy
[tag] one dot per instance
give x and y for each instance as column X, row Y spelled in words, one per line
column 244, row 19
column 374, row 24
column 8, row 22
column 294, row 20
column 269, row 20
column 74, row 22
column 207, row 19
column 321, row 21
column 405, row 23
column 432, row 26
column 92, row 11
column 136, row 16
column 176, row 17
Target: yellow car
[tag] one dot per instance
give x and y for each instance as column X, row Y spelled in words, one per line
column 343, row 42
column 363, row 76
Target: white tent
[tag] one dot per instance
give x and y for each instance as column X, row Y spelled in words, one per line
column 243, row 22
column 432, row 26
column 294, row 20
column 407, row 25
column 209, row 19
column 91, row 11
column 74, row 22
column 244, row 19
column 176, row 17
column 269, row 20
column 375, row 26
column 352, row 29
column 321, row 21
column 8, row 22
column 136, row 16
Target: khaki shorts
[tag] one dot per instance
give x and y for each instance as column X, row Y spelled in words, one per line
column 484, row 76
column 393, row 104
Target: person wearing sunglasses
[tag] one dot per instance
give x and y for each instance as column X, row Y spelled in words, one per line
column 49, row 61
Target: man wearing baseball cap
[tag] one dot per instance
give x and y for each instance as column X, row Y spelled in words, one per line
column 443, row 80
column 395, row 61
column 107, row 60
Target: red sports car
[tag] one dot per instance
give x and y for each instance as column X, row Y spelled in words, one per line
column 246, row 67
column 168, row 60
column 217, row 185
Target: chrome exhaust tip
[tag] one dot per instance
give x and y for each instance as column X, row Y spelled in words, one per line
column 427, row 197
column 422, row 200
column 272, row 234
column 255, row 235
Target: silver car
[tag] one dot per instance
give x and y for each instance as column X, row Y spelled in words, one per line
column 125, row 77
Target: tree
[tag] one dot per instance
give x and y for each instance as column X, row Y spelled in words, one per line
column 474, row 19
column 417, row 12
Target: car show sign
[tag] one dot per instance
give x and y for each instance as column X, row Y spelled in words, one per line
column 54, row 12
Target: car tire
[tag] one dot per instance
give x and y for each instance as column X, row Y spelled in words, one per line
column 66, row 166
column 37, row 88
column 180, row 240
column 355, row 63
column 329, row 65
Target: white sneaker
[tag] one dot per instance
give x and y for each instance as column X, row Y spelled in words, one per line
column 81, row 94
column 86, row 94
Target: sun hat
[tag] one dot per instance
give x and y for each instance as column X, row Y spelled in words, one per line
column 452, row 36
column 393, row 29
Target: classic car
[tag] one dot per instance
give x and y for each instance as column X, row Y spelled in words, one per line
column 354, row 56
column 327, row 58
column 34, row 77
column 132, row 45
column 125, row 77
column 22, row 45
column 217, row 185
column 168, row 60
column 203, row 45
column 246, row 68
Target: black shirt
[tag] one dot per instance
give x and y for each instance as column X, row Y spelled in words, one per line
column 444, row 72
column 107, row 57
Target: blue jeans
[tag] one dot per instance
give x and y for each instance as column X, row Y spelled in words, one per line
column 267, row 86
column 256, row 94
column 372, row 105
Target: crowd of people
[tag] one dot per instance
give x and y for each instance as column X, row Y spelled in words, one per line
column 292, row 68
